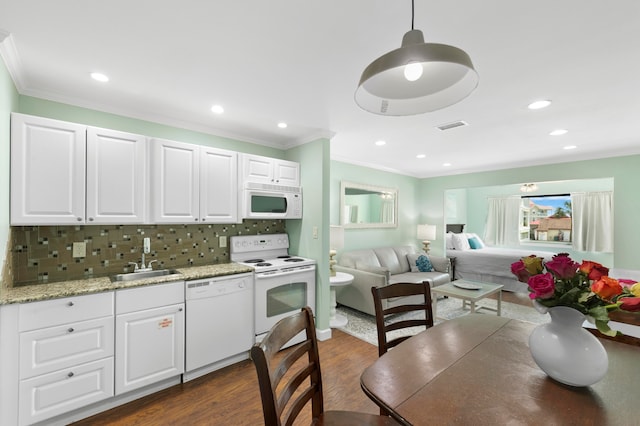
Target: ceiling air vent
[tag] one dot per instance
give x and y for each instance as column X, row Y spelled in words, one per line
column 453, row 125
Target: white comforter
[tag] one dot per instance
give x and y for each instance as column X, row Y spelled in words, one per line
column 491, row 264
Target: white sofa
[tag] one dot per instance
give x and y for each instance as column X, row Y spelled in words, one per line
column 382, row 266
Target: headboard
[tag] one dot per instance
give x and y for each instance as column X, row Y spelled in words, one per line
column 455, row 228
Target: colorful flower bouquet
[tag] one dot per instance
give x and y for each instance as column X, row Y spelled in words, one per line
column 585, row 287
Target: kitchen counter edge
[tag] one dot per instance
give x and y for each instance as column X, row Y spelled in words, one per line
column 38, row 292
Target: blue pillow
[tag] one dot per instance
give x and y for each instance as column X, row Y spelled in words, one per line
column 474, row 243
column 424, row 264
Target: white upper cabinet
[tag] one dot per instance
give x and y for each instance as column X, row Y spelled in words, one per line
column 47, row 171
column 191, row 184
column 67, row 173
column 260, row 169
column 116, row 171
column 218, row 185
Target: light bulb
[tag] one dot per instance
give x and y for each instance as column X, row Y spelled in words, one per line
column 413, row 71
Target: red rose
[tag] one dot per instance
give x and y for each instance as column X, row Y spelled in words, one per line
column 594, row 270
column 541, row 286
column 606, row 288
column 631, row 304
column 519, row 270
column 562, row 266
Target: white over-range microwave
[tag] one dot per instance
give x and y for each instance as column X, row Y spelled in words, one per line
column 266, row 201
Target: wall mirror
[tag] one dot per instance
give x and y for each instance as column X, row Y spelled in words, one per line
column 368, row 206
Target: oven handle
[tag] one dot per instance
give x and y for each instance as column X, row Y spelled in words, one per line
column 284, row 272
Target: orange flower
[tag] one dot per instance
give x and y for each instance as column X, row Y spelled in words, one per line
column 606, row 287
column 594, row 270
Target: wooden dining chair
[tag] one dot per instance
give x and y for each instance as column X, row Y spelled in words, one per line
column 387, row 320
column 289, row 379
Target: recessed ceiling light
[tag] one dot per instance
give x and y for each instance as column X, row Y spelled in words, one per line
column 99, row 77
column 539, row 104
column 446, row 164
column 558, row 132
column 282, row 125
column 380, row 143
column 570, row 147
column 421, row 156
column 217, row 109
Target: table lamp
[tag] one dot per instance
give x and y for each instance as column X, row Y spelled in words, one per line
column 336, row 242
column 426, row 233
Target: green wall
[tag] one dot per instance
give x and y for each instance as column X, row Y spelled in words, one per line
column 8, row 102
column 314, row 178
column 408, row 212
column 625, row 172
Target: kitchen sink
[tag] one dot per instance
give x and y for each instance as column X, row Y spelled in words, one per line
column 132, row 276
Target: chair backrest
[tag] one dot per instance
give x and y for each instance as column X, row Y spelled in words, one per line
column 299, row 366
column 388, row 320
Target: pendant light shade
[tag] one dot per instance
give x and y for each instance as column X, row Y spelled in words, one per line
column 418, row 77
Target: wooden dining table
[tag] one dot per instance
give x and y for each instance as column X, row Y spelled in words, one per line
column 477, row 370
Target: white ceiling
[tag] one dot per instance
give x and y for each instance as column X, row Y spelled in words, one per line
column 300, row 61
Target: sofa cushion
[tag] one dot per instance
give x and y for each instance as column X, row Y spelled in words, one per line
column 381, row 270
column 434, row 278
column 394, row 258
column 358, row 258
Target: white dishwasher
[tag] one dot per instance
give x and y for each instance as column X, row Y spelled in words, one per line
column 219, row 323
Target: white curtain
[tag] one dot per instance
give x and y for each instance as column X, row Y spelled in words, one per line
column 503, row 221
column 592, row 217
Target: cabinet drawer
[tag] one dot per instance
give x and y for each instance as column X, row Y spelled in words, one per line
column 147, row 297
column 66, row 310
column 49, row 395
column 50, row 349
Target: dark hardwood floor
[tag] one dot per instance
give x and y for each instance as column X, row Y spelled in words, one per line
column 231, row 396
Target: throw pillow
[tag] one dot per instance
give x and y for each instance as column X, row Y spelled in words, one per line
column 424, row 264
column 449, row 241
column 478, row 239
column 474, row 243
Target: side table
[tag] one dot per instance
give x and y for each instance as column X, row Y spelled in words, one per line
column 340, row 279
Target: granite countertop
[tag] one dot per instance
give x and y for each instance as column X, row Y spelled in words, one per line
column 37, row 292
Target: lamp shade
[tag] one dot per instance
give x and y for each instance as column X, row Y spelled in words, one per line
column 427, row 232
column 442, row 75
column 336, row 237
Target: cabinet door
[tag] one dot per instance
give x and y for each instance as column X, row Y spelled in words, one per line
column 218, row 186
column 175, row 182
column 286, row 172
column 149, row 347
column 49, row 395
column 47, row 171
column 116, row 170
column 257, row 169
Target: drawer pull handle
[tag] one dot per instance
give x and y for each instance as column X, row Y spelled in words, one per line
column 70, row 374
column 70, row 330
column 70, row 304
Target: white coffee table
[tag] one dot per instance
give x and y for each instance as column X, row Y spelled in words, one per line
column 469, row 297
column 340, row 279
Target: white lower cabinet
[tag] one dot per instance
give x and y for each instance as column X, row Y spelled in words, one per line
column 66, row 352
column 149, row 335
column 48, row 395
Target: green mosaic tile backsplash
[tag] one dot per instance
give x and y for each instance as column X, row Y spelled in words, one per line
column 43, row 254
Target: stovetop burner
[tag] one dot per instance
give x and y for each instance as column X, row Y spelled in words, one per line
column 286, row 256
column 254, row 261
column 294, row 259
column 263, row 264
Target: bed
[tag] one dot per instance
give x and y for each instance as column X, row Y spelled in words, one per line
column 474, row 261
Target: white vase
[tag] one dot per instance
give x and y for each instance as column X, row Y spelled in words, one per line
column 567, row 352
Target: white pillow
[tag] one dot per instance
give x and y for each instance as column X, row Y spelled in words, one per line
column 460, row 242
column 449, row 240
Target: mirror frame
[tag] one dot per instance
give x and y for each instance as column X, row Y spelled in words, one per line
column 380, row 189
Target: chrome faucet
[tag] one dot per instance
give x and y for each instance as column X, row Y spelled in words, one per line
column 146, row 248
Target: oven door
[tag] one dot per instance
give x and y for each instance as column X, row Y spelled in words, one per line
column 280, row 294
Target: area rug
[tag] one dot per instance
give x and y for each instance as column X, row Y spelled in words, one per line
column 363, row 326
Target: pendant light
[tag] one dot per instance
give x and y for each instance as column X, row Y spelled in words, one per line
column 418, row 77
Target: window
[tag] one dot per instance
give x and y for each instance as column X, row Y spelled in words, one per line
column 546, row 218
